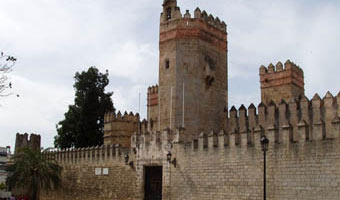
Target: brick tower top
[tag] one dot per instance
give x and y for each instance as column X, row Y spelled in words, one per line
column 119, row 127
column 281, row 82
column 173, row 19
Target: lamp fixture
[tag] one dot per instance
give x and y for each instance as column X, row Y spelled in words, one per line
column 168, row 157
column 126, row 158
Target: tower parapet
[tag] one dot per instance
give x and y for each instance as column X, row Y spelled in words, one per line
column 281, row 82
column 210, row 19
column 287, row 122
column 118, row 128
column 32, row 141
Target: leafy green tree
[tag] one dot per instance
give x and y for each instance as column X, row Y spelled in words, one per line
column 33, row 172
column 2, row 186
column 84, row 121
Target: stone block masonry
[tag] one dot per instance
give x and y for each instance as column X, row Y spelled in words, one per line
column 299, row 171
column 303, row 161
column 94, row 174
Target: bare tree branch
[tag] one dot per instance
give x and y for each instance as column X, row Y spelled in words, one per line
column 6, row 64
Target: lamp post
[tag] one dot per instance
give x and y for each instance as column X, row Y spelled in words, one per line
column 264, row 144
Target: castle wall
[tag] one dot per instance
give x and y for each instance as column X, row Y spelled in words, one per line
column 304, row 170
column 302, row 162
column 79, row 179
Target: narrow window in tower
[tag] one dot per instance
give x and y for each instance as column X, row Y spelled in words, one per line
column 167, row 64
column 168, row 13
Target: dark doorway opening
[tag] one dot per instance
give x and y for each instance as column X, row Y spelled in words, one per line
column 153, row 183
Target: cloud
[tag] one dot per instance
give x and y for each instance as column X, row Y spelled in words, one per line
column 37, row 110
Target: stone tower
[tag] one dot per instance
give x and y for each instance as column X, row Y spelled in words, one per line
column 153, row 109
column 24, row 141
column 278, row 82
column 118, row 128
column 193, row 86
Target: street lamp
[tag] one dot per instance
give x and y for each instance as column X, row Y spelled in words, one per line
column 127, row 162
column 126, row 158
column 264, row 143
column 168, row 157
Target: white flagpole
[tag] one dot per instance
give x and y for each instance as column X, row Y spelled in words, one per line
column 159, row 108
column 139, row 126
column 171, row 109
column 149, row 105
column 183, row 105
column 139, row 103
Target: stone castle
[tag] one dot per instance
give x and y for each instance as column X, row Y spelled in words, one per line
column 192, row 147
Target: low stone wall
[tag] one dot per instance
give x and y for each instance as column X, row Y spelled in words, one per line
column 100, row 176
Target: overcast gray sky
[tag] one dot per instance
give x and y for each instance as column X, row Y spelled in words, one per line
column 53, row 39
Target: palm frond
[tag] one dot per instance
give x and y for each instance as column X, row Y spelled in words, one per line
column 32, row 171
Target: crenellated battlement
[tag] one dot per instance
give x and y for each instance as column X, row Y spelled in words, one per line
column 289, row 122
column 285, row 123
column 279, row 67
column 208, row 18
column 203, row 26
column 128, row 117
column 118, row 128
column 202, row 16
column 91, row 155
column 281, row 82
column 153, row 89
column 153, row 95
column 306, row 120
column 32, row 141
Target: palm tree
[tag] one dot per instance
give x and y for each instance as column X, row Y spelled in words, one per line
column 32, row 172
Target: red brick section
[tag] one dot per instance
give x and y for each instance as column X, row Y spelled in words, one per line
column 288, row 76
column 152, row 99
column 196, row 29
